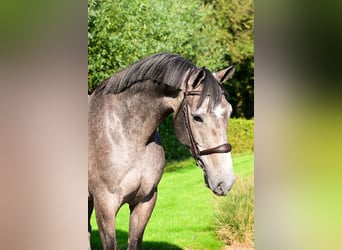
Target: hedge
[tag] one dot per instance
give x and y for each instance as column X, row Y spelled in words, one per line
column 240, row 136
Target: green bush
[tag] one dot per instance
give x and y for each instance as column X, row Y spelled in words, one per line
column 235, row 214
column 240, row 135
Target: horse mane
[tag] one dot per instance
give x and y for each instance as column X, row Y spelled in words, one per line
column 163, row 68
column 213, row 89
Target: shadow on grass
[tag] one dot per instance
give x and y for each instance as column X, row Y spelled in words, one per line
column 122, row 237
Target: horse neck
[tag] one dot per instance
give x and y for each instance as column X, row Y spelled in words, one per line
column 141, row 111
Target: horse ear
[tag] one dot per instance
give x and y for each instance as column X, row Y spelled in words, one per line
column 225, row 74
column 197, row 77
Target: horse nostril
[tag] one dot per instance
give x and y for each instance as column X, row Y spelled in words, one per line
column 219, row 187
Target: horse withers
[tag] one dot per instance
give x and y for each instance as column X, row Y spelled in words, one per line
column 126, row 158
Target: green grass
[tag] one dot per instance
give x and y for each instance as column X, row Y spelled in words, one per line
column 184, row 216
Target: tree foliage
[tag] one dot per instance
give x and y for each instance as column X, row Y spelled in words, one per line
column 122, row 32
column 214, row 34
column 233, row 21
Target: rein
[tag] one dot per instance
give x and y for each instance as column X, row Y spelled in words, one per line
column 196, row 152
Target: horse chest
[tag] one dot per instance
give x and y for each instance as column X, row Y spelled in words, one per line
column 151, row 164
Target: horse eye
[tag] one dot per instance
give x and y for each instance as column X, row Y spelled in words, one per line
column 197, row 118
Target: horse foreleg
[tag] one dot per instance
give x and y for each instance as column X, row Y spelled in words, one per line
column 140, row 214
column 105, row 211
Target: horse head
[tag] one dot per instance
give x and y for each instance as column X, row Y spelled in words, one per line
column 201, row 124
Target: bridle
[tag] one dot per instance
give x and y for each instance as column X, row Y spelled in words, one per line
column 196, row 152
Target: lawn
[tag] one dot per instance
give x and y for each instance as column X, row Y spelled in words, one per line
column 184, row 214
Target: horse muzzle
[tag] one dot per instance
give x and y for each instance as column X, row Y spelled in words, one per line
column 219, row 184
column 222, row 188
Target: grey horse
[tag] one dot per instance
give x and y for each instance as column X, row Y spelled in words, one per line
column 126, row 158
